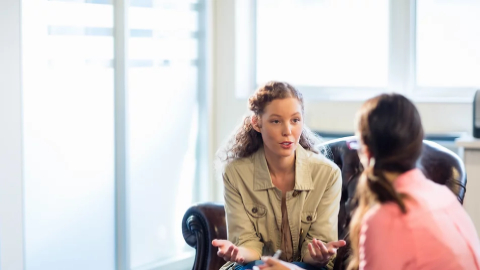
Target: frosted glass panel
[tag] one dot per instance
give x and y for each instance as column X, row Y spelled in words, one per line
column 78, row 14
column 166, row 18
column 163, row 132
column 323, row 43
column 448, row 43
column 162, row 128
column 68, row 136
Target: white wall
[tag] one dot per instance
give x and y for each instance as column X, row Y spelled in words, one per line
column 327, row 116
column 337, row 116
column 11, row 188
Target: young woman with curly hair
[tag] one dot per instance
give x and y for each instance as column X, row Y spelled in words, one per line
column 280, row 193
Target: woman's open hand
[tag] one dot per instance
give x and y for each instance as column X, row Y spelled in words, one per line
column 322, row 253
column 228, row 251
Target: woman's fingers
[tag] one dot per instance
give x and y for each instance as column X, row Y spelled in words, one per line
column 225, row 253
column 323, row 248
column 228, row 251
column 337, row 244
column 219, row 243
column 228, row 254
column 240, row 260
column 333, row 246
column 311, row 249
column 225, row 248
column 222, row 246
column 233, row 258
column 320, row 250
column 315, row 252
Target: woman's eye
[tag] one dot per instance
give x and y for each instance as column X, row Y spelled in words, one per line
column 296, row 120
column 275, row 121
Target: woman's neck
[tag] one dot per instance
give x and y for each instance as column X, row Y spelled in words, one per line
column 280, row 165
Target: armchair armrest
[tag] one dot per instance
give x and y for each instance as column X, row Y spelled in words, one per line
column 200, row 225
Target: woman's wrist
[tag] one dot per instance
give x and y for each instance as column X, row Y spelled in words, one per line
column 249, row 254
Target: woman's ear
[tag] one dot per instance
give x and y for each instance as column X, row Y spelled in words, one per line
column 254, row 120
column 366, row 152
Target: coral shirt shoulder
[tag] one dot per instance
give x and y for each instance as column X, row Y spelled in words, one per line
column 435, row 233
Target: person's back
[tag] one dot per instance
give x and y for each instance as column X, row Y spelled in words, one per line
column 434, row 233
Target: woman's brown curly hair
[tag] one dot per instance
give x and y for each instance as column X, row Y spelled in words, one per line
column 247, row 140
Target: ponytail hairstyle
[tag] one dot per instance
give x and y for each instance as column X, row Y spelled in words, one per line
column 247, row 140
column 391, row 128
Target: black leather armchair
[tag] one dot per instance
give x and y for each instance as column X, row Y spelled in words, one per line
column 206, row 221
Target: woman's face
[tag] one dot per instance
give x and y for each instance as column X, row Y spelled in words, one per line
column 281, row 126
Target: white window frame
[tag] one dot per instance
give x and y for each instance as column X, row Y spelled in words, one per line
column 12, row 235
column 401, row 64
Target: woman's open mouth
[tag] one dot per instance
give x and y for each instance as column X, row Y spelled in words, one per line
column 286, row 145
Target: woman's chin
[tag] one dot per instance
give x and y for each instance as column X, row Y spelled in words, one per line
column 286, row 152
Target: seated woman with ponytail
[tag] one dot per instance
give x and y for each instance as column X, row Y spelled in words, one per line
column 280, row 193
column 403, row 220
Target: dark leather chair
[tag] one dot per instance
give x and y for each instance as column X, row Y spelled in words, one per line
column 206, row 221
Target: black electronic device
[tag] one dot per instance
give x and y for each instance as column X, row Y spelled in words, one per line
column 476, row 115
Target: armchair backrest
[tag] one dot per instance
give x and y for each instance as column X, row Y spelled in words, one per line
column 437, row 163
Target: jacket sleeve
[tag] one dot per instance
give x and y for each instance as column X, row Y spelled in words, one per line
column 325, row 227
column 240, row 229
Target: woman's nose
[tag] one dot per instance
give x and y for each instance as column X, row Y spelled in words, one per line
column 287, row 130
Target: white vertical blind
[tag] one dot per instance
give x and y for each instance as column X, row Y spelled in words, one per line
column 163, row 126
column 68, row 135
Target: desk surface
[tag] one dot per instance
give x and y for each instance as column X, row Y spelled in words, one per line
column 468, row 142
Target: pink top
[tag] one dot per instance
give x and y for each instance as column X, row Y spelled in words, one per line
column 435, row 233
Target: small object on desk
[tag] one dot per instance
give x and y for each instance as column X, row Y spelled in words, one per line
column 476, row 115
column 277, row 254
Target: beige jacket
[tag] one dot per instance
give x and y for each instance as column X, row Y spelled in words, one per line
column 253, row 203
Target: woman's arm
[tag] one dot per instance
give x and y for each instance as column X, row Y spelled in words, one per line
column 325, row 227
column 241, row 232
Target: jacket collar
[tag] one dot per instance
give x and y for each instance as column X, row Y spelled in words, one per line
column 261, row 174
